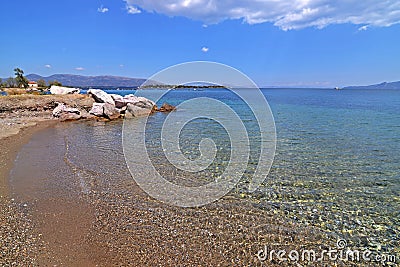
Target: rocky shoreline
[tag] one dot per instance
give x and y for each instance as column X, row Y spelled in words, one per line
column 110, row 107
column 22, row 111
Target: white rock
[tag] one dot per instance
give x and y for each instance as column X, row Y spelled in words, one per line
column 100, row 96
column 97, row 109
column 119, row 100
column 59, row 90
column 111, row 112
column 62, row 110
column 132, row 99
column 139, row 101
column 136, row 111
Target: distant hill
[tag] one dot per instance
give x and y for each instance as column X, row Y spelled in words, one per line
column 391, row 85
column 87, row 81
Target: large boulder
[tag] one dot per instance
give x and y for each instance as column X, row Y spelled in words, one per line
column 59, row 90
column 111, row 112
column 97, row 109
column 66, row 113
column 139, row 101
column 106, row 110
column 111, row 106
column 70, row 117
column 100, row 96
column 123, row 101
column 145, row 103
column 135, row 111
column 118, row 100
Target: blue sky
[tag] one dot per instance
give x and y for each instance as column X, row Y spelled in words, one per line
column 317, row 43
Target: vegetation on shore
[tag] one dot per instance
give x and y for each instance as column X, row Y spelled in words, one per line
column 21, row 82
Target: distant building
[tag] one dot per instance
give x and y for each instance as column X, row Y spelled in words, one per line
column 32, row 84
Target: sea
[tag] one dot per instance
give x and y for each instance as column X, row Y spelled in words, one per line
column 336, row 166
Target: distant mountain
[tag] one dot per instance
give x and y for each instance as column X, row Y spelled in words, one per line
column 89, row 81
column 391, row 85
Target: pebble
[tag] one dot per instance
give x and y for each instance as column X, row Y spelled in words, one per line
column 19, row 243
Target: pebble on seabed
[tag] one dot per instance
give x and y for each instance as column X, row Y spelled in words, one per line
column 19, row 243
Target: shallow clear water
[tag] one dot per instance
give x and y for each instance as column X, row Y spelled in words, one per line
column 336, row 165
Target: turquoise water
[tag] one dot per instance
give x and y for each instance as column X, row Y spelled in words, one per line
column 337, row 162
column 336, row 167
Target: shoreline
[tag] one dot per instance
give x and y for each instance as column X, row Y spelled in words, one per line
column 154, row 232
column 30, row 232
column 11, row 141
column 96, row 230
column 20, row 240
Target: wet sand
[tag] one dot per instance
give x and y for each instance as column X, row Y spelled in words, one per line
column 20, row 240
column 40, row 233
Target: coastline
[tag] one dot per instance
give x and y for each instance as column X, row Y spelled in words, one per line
column 11, row 140
column 97, row 231
column 29, row 232
column 20, row 240
column 21, row 116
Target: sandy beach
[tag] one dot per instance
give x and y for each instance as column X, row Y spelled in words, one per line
column 22, row 116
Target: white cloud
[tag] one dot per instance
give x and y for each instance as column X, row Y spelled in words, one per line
column 79, row 69
column 47, row 66
column 132, row 9
column 205, row 49
column 363, row 28
column 285, row 14
column 102, row 9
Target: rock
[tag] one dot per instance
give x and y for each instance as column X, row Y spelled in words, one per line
column 142, row 102
column 66, row 113
column 167, row 108
column 145, row 103
column 100, row 96
column 111, row 106
column 119, row 100
column 135, row 111
column 106, row 110
column 58, row 110
column 59, row 90
column 70, row 117
column 97, row 109
column 111, row 112
column 128, row 115
column 139, row 101
column 130, row 99
column 86, row 115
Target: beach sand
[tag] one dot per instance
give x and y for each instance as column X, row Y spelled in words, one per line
column 20, row 242
column 122, row 226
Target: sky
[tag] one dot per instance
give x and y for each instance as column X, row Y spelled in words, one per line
column 316, row 43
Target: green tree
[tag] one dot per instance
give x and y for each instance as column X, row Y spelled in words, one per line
column 41, row 83
column 55, row 82
column 10, row 83
column 21, row 80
